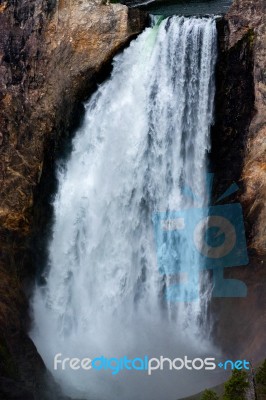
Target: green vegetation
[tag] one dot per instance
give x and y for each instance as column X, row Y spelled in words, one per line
column 261, row 379
column 209, row 395
column 235, row 388
column 251, row 36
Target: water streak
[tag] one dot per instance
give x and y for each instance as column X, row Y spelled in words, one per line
column 145, row 133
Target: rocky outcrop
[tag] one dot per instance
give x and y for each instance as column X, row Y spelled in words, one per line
column 48, row 64
column 239, row 154
column 238, row 138
column 51, row 55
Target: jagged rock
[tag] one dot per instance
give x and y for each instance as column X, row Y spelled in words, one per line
column 250, row 16
column 241, row 109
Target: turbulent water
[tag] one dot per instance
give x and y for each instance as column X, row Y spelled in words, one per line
column 144, row 140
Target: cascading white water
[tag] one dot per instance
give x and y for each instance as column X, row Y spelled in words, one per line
column 145, row 133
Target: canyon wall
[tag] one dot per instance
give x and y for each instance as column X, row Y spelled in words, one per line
column 239, row 155
column 51, row 55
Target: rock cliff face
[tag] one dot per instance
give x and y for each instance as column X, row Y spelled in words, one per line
column 239, row 154
column 49, row 60
column 241, row 108
column 51, row 54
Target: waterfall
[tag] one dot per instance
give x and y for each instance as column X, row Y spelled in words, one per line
column 144, row 140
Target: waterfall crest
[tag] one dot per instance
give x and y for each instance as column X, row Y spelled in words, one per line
column 145, row 133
